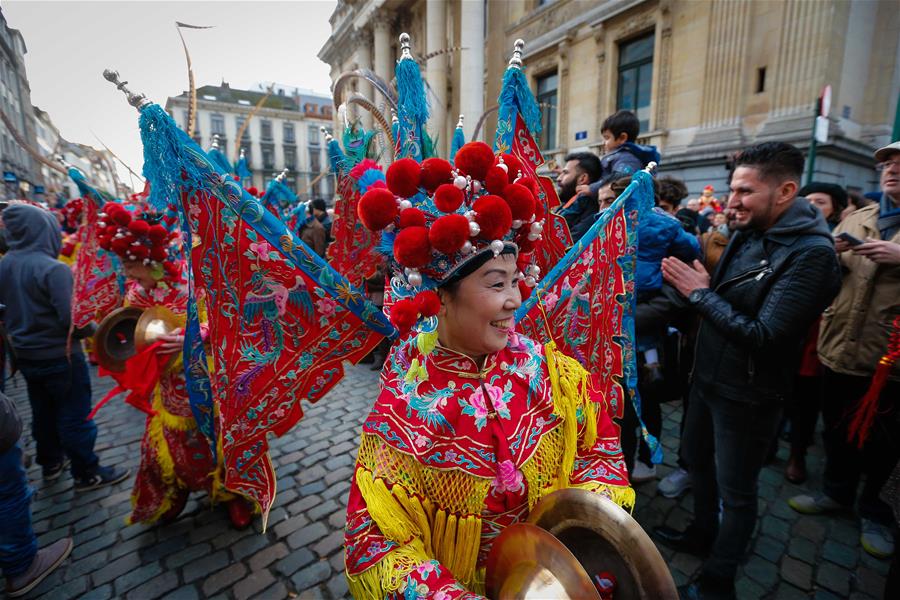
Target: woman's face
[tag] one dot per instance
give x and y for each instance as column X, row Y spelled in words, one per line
column 823, row 201
column 476, row 318
column 139, row 272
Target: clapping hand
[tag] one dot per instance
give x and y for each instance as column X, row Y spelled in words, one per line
column 684, row 277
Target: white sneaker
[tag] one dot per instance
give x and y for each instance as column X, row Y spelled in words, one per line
column 876, row 539
column 642, row 472
column 675, row 484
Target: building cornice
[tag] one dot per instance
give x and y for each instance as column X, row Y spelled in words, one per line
column 593, row 17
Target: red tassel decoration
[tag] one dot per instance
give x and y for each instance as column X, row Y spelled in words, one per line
column 867, row 408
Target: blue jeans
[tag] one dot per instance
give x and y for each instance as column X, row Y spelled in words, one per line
column 18, row 545
column 60, row 396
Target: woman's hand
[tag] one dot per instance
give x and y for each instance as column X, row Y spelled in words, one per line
column 171, row 342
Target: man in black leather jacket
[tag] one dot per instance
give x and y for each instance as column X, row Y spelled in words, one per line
column 775, row 277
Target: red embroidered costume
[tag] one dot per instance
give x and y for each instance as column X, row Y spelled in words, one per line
column 175, row 457
column 450, row 456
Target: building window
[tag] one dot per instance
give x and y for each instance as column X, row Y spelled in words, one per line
column 290, row 157
column 289, row 133
column 265, row 129
column 547, row 96
column 315, row 165
column 291, row 182
column 245, row 146
column 760, row 80
column 636, row 78
column 268, row 156
column 313, row 134
column 217, row 124
column 238, row 123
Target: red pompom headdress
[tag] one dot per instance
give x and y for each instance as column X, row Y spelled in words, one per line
column 436, row 216
column 144, row 237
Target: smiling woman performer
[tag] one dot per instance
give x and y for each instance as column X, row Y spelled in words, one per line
column 474, row 423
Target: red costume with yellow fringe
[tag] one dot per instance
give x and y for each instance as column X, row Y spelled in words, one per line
column 451, row 455
column 175, row 456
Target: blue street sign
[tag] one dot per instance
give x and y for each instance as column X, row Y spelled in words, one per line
column 581, row 135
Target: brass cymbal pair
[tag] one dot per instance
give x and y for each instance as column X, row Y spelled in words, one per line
column 570, row 536
column 127, row 330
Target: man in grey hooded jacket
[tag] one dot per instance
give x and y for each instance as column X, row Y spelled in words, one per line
column 37, row 291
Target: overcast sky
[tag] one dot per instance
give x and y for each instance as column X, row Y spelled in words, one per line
column 70, row 43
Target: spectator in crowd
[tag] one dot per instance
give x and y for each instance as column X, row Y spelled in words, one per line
column 803, row 410
column 852, row 340
column 320, row 211
column 714, row 241
column 829, row 198
column 659, row 235
column 855, row 201
column 778, row 272
column 23, row 565
column 37, row 291
column 670, row 192
column 312, row 232
column 622, row 156
column 579, row 209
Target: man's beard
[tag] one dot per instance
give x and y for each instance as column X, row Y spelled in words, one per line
column 565, row 192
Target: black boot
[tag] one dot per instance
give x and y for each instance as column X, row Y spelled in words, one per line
column 691, row 540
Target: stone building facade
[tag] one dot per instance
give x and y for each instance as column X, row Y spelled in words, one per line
column 706, row 78
column 284, row 133
column 20, row 173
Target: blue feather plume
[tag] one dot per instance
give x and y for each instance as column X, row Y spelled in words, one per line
column 217, row 158
column 412, row 109
column 336, row 156
column 242, row 169
column 458, row 141
column 368, row 178
column 515, row 92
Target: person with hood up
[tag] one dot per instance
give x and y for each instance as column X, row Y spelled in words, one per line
column 37, row 291
column 623, row 157
column 776, row 276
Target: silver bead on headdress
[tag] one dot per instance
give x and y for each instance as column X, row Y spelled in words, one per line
column 518, row 48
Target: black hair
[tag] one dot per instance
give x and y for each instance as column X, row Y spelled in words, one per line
column 588, row 162
column 671, row 190
column 858, row 200
column 773, row 160
column 473, row 264
column 622, row 121
column 318, row 204
column 618, row 186
column 837, row 193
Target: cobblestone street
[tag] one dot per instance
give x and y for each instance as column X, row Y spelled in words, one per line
column 300, row 555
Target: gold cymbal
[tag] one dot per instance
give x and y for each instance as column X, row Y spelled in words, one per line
column 526, row 562
column 154, row 322
column 114, row 338
column 604, row 537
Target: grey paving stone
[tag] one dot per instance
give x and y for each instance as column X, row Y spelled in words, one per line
column 136, row 577
column 769, row 548
column 157, row 587
column 762, row 572
column 223, row 578
column 102, row 592
column 803, row 549
column 285, row 528
column 326, row 546
column 252, row 584
column 249, row 545
column 306, row 535
column 796, row 572
column 185, row 592
column 86, row 565
column 277, row 591
column 337, row 587
column 317, row 512
column 204, row 567
column 116, row 568
column 267, row 555
column 187, row 555
column 311, row 576
column 833, row 577
column 294, row 561
column 840, row 554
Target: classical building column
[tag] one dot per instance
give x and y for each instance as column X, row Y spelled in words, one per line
column 562, row 94
column 436, row 70
column 363, row 41
column 471, row 85
column 384, row 62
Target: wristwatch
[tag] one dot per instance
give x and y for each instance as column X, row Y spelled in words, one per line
column 697, row 295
